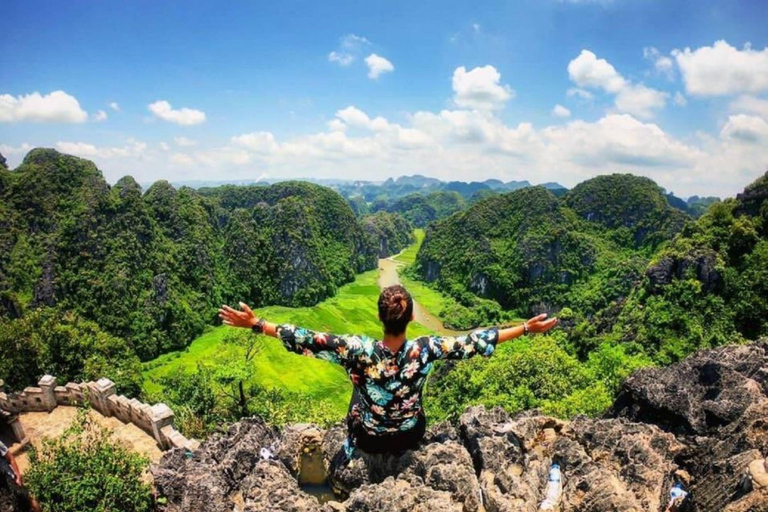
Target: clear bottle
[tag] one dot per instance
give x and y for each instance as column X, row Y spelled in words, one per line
column 554, row 489
column 677, row 496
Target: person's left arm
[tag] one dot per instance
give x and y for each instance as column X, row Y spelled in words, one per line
column 483, row 341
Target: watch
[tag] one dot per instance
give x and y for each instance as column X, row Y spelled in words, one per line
column 259, row 327
column 525, row 328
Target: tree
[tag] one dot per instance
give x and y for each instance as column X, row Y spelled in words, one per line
column 192, row 396
column 236, row 367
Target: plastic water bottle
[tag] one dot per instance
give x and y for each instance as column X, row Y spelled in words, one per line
column 676, row 496
column 554, row 489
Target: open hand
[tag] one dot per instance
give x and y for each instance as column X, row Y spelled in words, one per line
column 235, row 318
column 540, row 323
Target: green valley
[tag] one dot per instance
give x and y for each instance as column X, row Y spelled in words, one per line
column 99, row 280
column 352, row 310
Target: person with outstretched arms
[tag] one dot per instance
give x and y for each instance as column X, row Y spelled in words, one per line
column 385, row 413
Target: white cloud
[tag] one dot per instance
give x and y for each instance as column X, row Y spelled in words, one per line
column 336, row 125
column 356, row 118
column 640, row 100
column 665, row 65
column 468, row 144
column 722, row 69
column 6, row 149
column 680, row 99
column 561, row 111
column 350, row 48
column 183, row 116
column 378, row 65
column 184, row 141
column 260, row 142
column 661, row 63
column 100, row 116
column 114, row 106
column 480, row 89
column 132, row 149
column 56, row 107
column 750, row 105
column 586, row 70
column 617, row 139
column 745, row 129
column 182, row 159
column 342, row 59
column 579, row 93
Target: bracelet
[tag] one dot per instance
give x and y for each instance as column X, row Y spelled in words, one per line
column 259, row 327
column 525, row 328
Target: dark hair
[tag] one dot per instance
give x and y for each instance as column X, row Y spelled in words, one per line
column 395, row 309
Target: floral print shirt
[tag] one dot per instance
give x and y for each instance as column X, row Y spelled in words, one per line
column 388, row 385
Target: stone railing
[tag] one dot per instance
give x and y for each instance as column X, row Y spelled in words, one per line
column 156, row 420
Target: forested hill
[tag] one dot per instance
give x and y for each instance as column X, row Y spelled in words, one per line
column 631, row 284
column 150, row 268
column 616, row 258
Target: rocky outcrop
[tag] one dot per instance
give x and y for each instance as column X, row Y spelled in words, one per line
column 703, row 422
column 716, row 403
column 701, row 264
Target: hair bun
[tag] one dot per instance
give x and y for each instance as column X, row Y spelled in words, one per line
column 399, row 303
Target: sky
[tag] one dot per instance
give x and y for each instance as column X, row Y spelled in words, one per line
column 538, row 90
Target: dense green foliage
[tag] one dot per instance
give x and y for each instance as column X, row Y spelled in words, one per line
column 710, row 286
column 705, row 287
column 391, row 232
column 421, row 209
column 522, row 249
column 86, row 471
column 533, row 373
column 633, row 209
column 529, row 251
column 63, row 344
column 152, row 268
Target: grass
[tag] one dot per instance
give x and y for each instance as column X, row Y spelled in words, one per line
column 431, row 299
column 352, row 310
column 408, row 255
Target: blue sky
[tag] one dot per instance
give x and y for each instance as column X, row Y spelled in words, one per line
column 547, row 90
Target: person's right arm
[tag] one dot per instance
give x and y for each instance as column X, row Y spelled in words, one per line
column 537, row 324
column 296, row 339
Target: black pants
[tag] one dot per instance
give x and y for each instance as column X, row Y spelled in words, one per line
column 388, row 442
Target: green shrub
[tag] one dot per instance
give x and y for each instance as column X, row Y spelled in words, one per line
column 84, row 470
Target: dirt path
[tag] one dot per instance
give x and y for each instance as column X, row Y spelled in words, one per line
column 39, row 425
column 389, row 276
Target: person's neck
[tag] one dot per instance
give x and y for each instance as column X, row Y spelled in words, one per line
column 394, row 341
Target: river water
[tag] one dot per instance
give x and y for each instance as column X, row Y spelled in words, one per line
column 388, row 276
